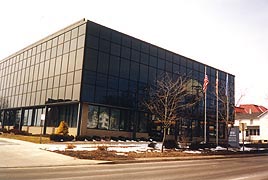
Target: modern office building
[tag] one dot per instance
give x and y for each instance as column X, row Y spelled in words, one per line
column 94, row 78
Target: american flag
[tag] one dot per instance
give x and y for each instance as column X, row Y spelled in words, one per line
column 205, row 85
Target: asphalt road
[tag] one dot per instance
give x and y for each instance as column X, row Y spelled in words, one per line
column 220, row 169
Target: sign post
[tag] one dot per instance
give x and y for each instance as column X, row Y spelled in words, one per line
column 243, row 127
column 43, row 117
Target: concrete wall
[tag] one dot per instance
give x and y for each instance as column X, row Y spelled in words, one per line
column 49, row 130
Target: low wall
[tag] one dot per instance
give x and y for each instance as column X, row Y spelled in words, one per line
column 49, row 130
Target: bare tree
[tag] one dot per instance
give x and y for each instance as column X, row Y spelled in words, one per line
column 169, row 97
column 225, row 114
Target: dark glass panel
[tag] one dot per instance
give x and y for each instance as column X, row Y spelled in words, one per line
column 114, row 65
column 144, row 58
column 153, row 50
column 114, row 119
column 91, row 59
column 161, row 64
column 101, row 80
column 134, row 71
column 153, row 61
column 124, row 68
column 135, row 55
column 115, row 49
column 136, row 44
column 93, row 116
column 113, row 82
column 92, row 42
column 143, row 73
column 105, row 33
column 103, row 118
column 103, row 62
column 104, row 46
column 93, row 28
column 126, row 41
column 116, row 37
column 161, row 53
column 123, row 85
column 125, row 53
column 145, row 47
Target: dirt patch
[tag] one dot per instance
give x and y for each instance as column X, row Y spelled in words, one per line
column 96, row 155
column 113, row 155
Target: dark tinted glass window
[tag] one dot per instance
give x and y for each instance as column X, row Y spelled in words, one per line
column 105, row 33
column 161, row 64
column 153, row 50
column 113, row 83
column 116, row 37
column 136, row 44
column 135, row 55
column 115, row 49
column 103, row 62
column 123, row 85
column 152, row 74
column 168, row 66
column 144, row 58
column 124, row 68
column 104, row 45
column 126, row 41
column 153, row 61
column 161, row 53
column 89, row 77
column 91, row 59
column 92, row 42
column 114, row 65
column 93, row 29
column 145, row 47
column 125, row 53
column 100, row 94
column 143, row 73
column 134, row 71
column 101, row 80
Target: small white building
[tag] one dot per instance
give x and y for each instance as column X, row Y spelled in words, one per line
column 256, row 126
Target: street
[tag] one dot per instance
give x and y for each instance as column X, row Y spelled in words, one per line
column 220, row 169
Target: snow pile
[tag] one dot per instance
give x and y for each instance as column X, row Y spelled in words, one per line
column 192, row 152
column 118, row 147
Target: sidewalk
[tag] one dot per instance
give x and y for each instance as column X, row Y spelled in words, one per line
column 22, row 154
column 16, row 154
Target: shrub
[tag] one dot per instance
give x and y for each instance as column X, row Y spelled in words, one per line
column 60, row 137
column 171, row 144
column 152, row 145
column 96, row 138
column 62, row 129
column 114, row 138
column 197, row 145
column 3, row 130
column 83, row 138
column 18, row 132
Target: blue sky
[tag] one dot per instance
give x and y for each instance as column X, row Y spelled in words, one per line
column 231, row 35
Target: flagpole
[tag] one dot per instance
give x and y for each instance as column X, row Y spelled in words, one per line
column 217, row 108
column 205, row 118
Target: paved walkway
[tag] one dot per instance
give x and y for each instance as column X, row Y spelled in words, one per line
column 16, row 153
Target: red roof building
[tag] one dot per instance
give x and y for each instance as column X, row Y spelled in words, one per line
column 250, row 108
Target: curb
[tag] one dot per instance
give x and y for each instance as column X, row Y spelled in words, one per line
column 143, row 160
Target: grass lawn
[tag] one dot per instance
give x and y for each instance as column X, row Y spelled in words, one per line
column 33, row 139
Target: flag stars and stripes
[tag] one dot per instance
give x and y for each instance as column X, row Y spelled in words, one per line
column 205, row 85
